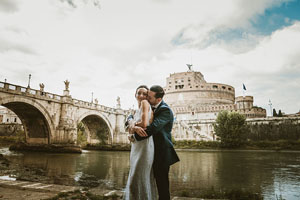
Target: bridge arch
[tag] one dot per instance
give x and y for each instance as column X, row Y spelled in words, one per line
column 36, row 120
column 93, row 121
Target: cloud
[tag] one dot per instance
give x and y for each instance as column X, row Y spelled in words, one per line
column 8, row 6
column 112, row 50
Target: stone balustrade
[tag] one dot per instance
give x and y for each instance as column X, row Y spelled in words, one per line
column 26, row 91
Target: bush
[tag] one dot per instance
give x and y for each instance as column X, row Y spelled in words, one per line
column 81, row 135
column 231, row 128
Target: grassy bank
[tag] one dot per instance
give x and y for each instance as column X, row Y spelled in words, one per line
column 184, row 144
column 106, row 147
column 10, row 139
column 249, row 145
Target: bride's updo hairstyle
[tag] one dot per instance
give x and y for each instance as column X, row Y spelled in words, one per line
column 141, row 86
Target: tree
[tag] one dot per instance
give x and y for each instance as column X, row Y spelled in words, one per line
column 231, row 128
column 274, row 113
column 81, row 135
column 279, row 113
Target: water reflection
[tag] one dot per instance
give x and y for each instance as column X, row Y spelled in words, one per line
column 271, row 173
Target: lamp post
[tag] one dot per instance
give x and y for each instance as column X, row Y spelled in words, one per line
column 270, row 104
column 29, row 81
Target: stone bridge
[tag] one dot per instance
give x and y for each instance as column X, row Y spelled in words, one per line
column 53, row 119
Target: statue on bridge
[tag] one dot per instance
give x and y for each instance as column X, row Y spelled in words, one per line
column 42, row 86
column 67, row 84
column 96, row 101
column 118, row 102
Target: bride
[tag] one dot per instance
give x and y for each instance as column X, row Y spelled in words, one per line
column 141, row 182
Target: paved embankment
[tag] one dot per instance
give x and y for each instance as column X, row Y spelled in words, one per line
column 13, row 189
column 39, row 187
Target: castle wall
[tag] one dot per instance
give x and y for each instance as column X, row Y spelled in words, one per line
column 197, row 130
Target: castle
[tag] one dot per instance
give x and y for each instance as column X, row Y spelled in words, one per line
column 191, row 98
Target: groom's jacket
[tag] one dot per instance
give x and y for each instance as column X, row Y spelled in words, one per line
column 160, row 129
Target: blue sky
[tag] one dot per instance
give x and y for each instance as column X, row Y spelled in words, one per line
column 277, row 17
column 110, row 47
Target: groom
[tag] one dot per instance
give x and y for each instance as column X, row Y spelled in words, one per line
column 160, row 129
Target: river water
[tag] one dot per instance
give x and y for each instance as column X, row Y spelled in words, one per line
column 274, row 174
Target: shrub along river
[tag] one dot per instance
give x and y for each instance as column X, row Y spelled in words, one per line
column 276, row 175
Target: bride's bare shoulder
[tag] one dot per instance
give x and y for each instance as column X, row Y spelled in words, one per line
column 145, row 102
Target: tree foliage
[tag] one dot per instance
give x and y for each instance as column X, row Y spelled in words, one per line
column 231, row 128
column 81, row 135
column 280, row 113
column 102, row 134
column 274, row 113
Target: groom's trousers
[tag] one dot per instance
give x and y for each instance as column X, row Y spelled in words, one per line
column 161, row 175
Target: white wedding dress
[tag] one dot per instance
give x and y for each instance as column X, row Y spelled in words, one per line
column 141, row 183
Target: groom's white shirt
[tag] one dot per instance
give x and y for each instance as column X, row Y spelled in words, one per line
column 156, row 106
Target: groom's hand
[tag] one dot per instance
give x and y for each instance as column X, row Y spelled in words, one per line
column 140, row 131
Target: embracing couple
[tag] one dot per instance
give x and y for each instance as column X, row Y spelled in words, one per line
column 152, row 151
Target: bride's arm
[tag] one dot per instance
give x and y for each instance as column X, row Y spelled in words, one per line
column 145, row 110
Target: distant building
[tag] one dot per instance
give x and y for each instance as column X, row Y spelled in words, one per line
column 8, row 117
column 191, row 98
column 292, row 115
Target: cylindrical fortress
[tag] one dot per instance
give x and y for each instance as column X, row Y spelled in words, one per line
column 191, row 97
column 190, row 88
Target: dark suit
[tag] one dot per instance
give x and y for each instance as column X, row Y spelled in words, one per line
column 164, row 153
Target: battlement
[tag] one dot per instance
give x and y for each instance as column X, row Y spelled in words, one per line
column 244, row 99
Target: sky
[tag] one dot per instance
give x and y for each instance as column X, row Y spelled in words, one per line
column 107, row 48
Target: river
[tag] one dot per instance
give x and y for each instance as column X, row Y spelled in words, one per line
column 274, row 174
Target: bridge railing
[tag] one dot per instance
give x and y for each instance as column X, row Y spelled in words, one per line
column 93, row 105
column 28, row 91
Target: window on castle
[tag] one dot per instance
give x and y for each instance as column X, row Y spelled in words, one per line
column 229, row 88
column 15, row 119
column 224, row 87
column 215, row 86
column 179, row 86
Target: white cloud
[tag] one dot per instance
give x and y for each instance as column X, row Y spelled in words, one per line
column 111, row 50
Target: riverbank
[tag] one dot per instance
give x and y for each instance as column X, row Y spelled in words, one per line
column 280, row 145
column 11, row 190
column 51, row 148
column 249, row 145
column 18, row 145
